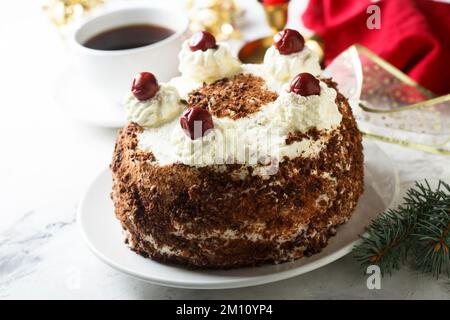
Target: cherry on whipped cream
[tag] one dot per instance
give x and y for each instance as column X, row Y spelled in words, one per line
column 202, row 40
column 145, row 86
column 288, row 41
column 305, row 84
column 195, row 122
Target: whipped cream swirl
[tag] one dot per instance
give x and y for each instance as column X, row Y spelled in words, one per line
column 300, row 113
column 207, row 66
column 284, row 67
column 160, row 109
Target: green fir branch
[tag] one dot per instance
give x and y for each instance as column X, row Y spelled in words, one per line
column 417, row 233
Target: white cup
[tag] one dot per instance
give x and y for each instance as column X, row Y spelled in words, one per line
column 110, row 72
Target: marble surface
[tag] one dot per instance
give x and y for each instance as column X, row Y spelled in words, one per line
column 48, row 159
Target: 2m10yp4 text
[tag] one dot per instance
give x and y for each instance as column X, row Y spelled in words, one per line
column 225, row 309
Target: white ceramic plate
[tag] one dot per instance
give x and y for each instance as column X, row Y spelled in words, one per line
column 103, row 234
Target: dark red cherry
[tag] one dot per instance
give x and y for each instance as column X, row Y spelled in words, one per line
column 195, row 122
column 305, row 84
column 289, row 41
column 202, row 40
column 145, row 86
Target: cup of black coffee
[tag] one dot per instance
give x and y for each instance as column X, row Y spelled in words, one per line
column 110, row 48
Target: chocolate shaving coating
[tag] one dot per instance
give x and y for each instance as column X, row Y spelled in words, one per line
column 234, row 97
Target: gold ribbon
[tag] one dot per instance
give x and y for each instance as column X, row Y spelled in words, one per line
column 418, row 105
column 409, row 144
column 432, row 101
column 393, row 70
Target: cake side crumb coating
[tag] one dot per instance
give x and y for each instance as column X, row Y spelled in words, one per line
column 223, row 216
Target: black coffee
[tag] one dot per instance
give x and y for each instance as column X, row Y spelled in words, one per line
column 128, row 37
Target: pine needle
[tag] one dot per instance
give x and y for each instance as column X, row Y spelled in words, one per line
column 417, row 233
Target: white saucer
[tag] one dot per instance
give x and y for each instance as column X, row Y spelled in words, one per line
column 83, row 102
column 103, row 234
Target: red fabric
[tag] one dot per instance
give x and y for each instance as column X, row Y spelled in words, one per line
column 414, row 35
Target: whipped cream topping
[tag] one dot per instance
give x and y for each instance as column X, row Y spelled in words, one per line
column 207, row 66
column 301, row 113
column 284, row 67
column 160, row 109
column 185, row 85
column 258, row 139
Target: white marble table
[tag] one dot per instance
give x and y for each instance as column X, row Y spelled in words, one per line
column 48, row 159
